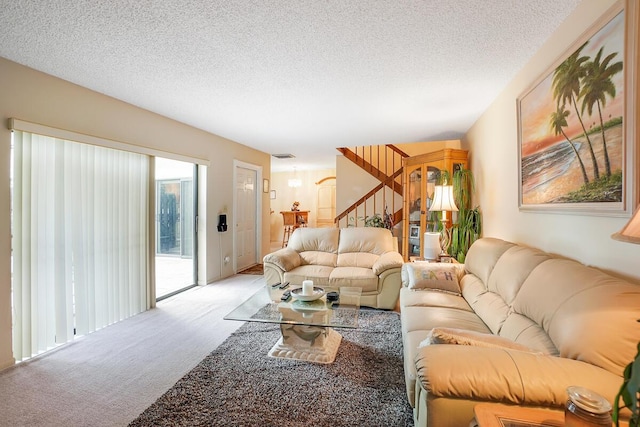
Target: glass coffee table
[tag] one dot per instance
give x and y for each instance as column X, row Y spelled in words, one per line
column 306, row 326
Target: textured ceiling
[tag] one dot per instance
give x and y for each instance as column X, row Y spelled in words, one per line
column 300, row 77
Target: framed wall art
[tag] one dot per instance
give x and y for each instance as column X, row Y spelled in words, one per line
column 576, row 125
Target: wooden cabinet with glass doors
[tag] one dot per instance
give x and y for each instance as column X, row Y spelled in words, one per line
column 421, row 173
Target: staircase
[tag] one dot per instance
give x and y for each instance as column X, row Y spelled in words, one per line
column 383, row 162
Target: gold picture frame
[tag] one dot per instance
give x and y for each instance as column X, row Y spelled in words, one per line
column 576, row 124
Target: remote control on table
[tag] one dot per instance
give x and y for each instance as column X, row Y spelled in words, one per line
column 284, row 285
column 286, row 296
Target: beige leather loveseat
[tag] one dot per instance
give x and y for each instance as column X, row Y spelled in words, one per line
column 549, row 323
column 365, row 257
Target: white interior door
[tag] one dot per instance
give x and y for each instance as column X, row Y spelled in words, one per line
column 326, row 207
column 246, row 217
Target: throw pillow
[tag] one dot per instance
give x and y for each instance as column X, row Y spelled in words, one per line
column 465, row 337
column 433, row 276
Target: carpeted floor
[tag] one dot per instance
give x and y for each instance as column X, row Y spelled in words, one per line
column 255, row 270
column 239, row 385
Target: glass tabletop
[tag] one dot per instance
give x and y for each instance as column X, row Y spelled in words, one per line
column 266, row 306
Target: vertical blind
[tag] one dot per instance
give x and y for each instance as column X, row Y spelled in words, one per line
column 80, row 239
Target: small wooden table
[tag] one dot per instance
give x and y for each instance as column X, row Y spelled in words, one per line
column 291, row 221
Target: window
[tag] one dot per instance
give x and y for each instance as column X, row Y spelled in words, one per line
column 80, row 239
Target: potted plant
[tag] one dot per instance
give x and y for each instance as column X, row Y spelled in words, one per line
column 629, row 392
column 468, row 227
column 376, row 220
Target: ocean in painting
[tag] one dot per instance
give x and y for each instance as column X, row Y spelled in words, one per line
column 550, row 175
column 544, row 166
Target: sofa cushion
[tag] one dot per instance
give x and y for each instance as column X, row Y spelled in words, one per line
column 512, row 268
column 464, row 337
column 492, row 300
column 417, row 318
column 318, row 273
column 354, row 277
column 314, row 239
column 521, row 329
column 365, row 239
column 357, row 259
column 318, row 258
column 578, row 307
column 425, row 298
column 483, row 255
column 432, row 276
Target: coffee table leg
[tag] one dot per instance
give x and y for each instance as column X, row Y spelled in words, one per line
column 307, row 343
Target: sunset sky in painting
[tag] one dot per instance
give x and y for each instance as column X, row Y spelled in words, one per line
column 537, row 105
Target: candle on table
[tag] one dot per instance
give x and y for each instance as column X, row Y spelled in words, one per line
column 307, row 287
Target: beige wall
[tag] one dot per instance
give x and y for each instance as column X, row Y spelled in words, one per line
column 306, row 194
column 493, row 147
column 36, row 97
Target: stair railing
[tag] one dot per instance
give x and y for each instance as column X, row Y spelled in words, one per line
column 384, row 162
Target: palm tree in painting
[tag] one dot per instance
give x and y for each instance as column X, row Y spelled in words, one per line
column 566, row 88
column 558, row 122
column 596, row 85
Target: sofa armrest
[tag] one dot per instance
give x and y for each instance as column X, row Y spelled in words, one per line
column 387, row 261
column 286, row 259
column 507, row 376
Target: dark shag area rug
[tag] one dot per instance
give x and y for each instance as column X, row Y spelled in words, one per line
column 239, row 385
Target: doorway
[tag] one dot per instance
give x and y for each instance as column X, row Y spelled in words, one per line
column 247, row 206
column 175, row 214
column 326, row 202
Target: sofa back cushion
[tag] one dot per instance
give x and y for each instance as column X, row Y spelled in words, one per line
column 588, row 315
column 492, row 298
column 362, row 246
column 483, row 255
column 483, row 261
column 316, row 246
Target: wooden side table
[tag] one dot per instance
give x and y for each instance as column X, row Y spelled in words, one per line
column 291, row 221
column 498, row 415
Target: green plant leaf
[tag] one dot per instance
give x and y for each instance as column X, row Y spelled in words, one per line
column 629, row 391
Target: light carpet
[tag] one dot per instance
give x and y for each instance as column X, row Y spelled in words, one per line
column 109, row 377
column 239, row 385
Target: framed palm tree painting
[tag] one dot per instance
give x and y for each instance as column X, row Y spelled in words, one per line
column 572, row 127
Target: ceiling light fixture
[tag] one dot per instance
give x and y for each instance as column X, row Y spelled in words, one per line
column 294, row 182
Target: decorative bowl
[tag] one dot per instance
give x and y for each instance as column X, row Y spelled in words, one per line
column 317, row 294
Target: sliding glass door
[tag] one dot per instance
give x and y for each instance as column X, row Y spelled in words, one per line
column 175, row 226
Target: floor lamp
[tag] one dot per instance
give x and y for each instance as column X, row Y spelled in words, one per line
column 443, row 202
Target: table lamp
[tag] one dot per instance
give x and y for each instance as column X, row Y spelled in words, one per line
column 443, row 202
column 630, row 233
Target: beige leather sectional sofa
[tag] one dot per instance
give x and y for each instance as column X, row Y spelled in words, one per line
column 365, row 257
column 571, row 325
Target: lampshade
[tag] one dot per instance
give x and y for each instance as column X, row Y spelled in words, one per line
column 294, row 182
column 443, row 199
column 631, row 232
